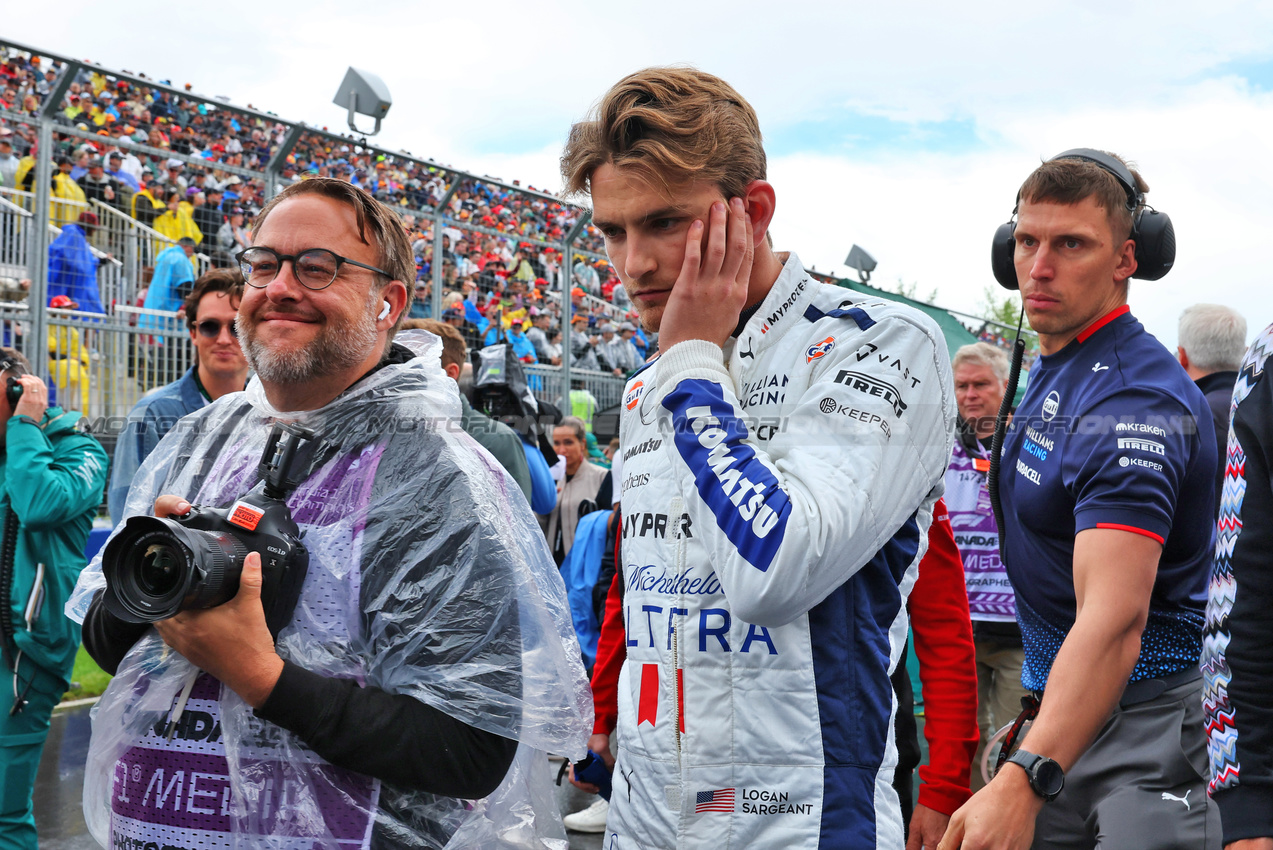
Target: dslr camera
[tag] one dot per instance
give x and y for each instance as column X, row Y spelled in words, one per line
column 156, row 567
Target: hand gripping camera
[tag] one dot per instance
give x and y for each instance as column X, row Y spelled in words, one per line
column 158, row 566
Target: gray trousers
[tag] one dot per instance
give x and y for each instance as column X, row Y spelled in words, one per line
column 1142, row 784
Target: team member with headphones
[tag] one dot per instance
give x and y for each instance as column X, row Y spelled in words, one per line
column 1105, row 488
column 51, row 480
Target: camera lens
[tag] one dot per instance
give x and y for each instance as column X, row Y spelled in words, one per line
column 160, row 569
column 156, row 567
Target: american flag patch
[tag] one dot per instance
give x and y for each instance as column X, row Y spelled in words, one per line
column 720, row 800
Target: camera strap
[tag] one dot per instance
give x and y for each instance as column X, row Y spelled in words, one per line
column 1029, row 710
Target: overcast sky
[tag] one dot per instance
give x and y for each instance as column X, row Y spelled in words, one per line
column 904, row 127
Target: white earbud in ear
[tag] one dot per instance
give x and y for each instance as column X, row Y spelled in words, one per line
column 384, row 312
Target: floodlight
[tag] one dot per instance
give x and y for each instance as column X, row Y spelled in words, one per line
column 365, row 94
column 862, row 261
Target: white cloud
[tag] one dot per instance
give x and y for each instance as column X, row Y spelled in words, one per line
column 929, row 218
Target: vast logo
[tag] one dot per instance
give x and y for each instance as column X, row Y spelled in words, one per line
column 873, row 387
column 633, row 396
column 819, row 349
column 886, row 359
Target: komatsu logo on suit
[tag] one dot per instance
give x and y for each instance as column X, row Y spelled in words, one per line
column 747, row 496
column 740, row 490
column 872, row 386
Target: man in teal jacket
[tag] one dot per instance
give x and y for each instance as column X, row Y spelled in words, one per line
column 51, row 481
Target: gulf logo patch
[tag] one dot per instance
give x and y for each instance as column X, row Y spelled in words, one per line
column 819, row 349
column 633, row 396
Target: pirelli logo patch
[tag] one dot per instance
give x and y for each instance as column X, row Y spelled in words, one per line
column 872, row 386
column 1140, row 444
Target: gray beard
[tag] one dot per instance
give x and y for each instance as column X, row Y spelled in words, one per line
column 335, row 349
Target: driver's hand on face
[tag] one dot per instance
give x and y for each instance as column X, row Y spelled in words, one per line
column 711, row 290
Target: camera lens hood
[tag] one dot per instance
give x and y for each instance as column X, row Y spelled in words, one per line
column 156, row 567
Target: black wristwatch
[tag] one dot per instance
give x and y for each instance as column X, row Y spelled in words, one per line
column 1046, row 777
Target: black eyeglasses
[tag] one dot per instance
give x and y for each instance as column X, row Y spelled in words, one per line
column 315, row 269
column 211, row 328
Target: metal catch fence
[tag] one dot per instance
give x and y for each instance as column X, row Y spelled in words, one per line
column 205, row 144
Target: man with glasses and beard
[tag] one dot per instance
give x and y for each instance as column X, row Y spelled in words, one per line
column 430, row 654
column 219, row 368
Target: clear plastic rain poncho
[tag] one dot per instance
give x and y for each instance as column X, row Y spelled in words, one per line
column 428, row 576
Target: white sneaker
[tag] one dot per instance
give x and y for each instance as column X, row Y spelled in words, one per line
column 591, row 819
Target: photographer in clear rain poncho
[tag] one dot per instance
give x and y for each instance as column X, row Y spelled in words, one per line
column 430, row 653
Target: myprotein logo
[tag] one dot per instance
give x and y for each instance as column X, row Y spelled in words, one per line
column 773, row 317
column 873, row 387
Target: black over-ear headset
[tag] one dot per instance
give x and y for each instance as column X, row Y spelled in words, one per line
column 12, row 389
column 1152, row 231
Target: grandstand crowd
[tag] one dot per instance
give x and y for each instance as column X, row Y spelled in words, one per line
column 173, row 164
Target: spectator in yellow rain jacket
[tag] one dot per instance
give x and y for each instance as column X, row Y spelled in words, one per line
column 68, row 361
column 178, row 220
column 67, row 200
column 147, row 203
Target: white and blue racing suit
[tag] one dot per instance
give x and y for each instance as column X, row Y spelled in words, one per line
column 776, row 503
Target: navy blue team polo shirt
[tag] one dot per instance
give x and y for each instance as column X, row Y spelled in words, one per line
column 1112, row 433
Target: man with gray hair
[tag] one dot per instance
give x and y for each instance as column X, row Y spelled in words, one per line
column 1210, row 345
column 981, row 376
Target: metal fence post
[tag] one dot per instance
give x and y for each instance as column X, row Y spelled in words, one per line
column 435, row 267
column 567, row 280
column 39, row 339
column 435, row 263
column 566, row 349
column 274, row 168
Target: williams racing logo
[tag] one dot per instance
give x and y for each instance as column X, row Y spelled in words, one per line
column 633, row 396
column 818, row 350
column 873, row 387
